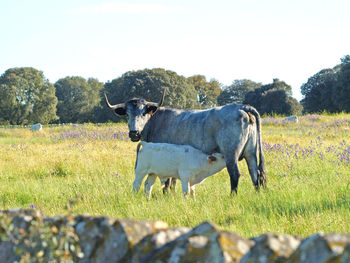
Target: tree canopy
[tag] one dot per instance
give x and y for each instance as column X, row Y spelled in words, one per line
column 77, row 99
column 341, row 89
column 235, row 93
column 149, row 84
column 207, row 92
column 317, row 92
column 329, row 89
column 274, row 98
column 26, row 97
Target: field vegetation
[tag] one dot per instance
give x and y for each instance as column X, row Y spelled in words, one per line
column 89, row 169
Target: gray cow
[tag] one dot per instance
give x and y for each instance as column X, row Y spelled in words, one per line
column 233, row 130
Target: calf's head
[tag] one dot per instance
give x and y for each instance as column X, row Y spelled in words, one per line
column 138, row 111
column 216, row 158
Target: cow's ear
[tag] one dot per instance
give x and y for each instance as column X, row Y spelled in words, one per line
column 120, row 111
column 151, row 109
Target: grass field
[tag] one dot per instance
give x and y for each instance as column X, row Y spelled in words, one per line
column 308, row 187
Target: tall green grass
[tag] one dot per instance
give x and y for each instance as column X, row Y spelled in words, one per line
column 308, row 187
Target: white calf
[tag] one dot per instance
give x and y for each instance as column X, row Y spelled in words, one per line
column 165, row 160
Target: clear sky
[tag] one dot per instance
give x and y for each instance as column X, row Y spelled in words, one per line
column 226, row 40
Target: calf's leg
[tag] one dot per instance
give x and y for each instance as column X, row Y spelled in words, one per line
column 139, row 175
column 193, row 190
column 185, row 182
column 149, row 184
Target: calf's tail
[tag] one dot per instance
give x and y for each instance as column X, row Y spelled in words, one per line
column 255, row 113
column 137, row 151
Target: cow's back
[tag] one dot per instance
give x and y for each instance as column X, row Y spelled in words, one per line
column 197, row 128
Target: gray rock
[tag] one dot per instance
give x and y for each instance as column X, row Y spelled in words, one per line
column 320, row 248
column 107, row 240
column 13, row 223
column 26, row 235
column 151, row 242
column 36, row 127
column 345, row 257
column 271, row 248
column 204, row 243
column 291, row 119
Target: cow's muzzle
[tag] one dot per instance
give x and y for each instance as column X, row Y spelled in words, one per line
column 135, row 136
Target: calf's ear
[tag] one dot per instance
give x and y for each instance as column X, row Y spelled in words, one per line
column 211, row 159
column 120, row 111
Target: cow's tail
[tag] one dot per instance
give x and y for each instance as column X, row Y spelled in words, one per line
column 137, row 151
column 261, row 167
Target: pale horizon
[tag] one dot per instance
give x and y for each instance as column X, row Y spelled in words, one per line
column 222, row 40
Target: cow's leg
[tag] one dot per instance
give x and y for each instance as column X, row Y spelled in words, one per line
column 170, row 183
column 173, row 184
column 252, row 163
column 231, row 152
column 165, row 184
column 149, row 184
column 233, row 171
column 231, row 140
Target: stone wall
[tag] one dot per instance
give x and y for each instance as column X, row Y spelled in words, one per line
column 28, row 236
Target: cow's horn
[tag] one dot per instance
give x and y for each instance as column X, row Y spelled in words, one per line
column 162, row 99
column 113, row 107
column 160, row 103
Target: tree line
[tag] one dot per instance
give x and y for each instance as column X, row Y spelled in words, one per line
column 329, row 89
column 27, row 97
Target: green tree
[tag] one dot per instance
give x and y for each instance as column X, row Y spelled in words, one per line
column 279, row 102
column 148, row 84
column 318, row 92
column 26, row 97
column 207, row 92
column 328, row 89
column 77, row 99
column 254, row 97
column 235, row 93
column 274, row 98
column 341, row 90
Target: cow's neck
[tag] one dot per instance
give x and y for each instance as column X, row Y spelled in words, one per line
column 147, row 130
